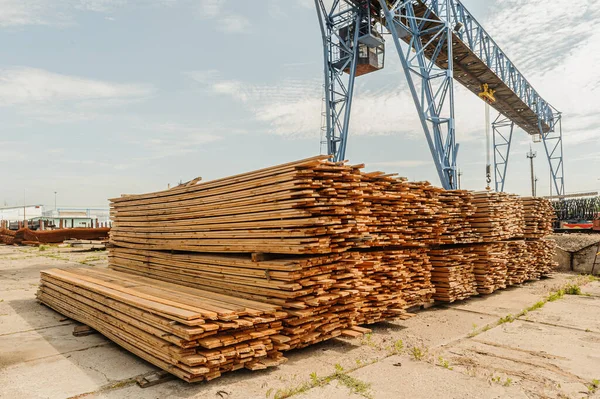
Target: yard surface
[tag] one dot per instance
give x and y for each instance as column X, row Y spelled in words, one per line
column 487, row 347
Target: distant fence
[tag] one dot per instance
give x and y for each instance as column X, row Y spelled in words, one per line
column 577, row 208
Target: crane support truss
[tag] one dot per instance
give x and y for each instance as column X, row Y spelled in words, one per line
column 437, row 31
column 502, row 138
column 503, row 129
column 430, row 80
column 339, row 55
column 554, row 151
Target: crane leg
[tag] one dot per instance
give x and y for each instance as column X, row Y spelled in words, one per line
column 432, row 87
column 503, row 129
column 340, row 54
column 554, row 151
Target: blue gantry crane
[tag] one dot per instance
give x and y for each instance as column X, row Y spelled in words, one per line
column 426, row 34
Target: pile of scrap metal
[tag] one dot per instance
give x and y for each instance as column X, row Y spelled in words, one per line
column 582, row 214
column 26, row 236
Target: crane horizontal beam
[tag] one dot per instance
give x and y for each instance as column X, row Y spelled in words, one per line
column 478, row 60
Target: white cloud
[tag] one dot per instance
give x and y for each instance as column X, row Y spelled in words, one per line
column 233, row 23
column 54, row 98
column 557, row 63
column 31, row 85
column 224, row 20
column 19, row 13
column 23, row 12
column 211, row 8
column 99, row 5
column 169, row 139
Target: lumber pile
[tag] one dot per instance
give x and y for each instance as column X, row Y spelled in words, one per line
column 453, row 273
column 60, row 235
column 542, row 252
column 457, row 209
column 209, row 277
column 401, row 213
column 303, row 207
column 391, row 282
column 193, row 334
column 491, row 266
column 25, row 236
column 7, row 236
column 317, row 294
column 539, row 217
column 519, row 262
column 498, row 216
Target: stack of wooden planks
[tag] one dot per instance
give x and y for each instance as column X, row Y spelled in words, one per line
column 498, row 216
column 401, row 213
column 303, row 207
column 519, row 262
column 539, row 217
column 194, row 334
column 7, row 236
column 316, row 293
column 453, row 273
column 542, row 252
column 491, row 266
column 456, row 212
column 380, row 279
column 391, row 282
column 210, row 277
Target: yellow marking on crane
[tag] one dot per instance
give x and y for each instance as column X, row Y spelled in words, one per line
column 487, row 94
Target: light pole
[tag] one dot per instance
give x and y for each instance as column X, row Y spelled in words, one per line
column 532, row 155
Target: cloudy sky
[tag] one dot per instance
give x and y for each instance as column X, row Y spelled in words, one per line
column 103, row 97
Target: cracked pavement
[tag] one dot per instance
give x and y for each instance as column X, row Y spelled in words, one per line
column 552, row 352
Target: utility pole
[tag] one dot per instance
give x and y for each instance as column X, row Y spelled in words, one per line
column 459, row 176
column 535, row 191
column 532, row 155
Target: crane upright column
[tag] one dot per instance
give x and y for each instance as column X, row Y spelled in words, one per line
column 430, row 81
column 352, row 47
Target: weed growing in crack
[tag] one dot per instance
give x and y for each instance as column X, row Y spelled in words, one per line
column 593, row 386
column 418, row 353
column 573, row 290
column 444, row 363
column 355, row 385
column 506, row 319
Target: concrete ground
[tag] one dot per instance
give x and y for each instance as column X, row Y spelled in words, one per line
column 486, row 347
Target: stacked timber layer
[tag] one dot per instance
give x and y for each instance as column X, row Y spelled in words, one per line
column 7, row 236
column 453, row 273
column 498, row 216
column 542, row 252
column 456, row 213
column 519, row 262
column 491, row 266
column 303, row 207
column 401, row 213
column 390, row 282
column 193, row 334
column 539, row 217
column 317, row 294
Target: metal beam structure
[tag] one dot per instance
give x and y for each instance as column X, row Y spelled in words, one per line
column 439, row 42
column 340, row 55
column 431, row 82
column 503, row 129
column 554, row 152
